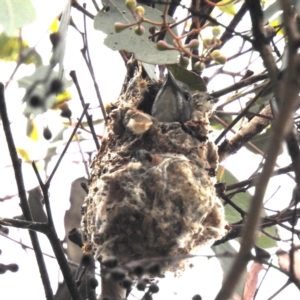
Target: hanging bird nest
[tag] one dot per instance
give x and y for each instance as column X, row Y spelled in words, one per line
column 151, row 192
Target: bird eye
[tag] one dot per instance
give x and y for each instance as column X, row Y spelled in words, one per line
column 187, row 96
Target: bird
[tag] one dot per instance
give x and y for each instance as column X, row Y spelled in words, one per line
column 173, row 102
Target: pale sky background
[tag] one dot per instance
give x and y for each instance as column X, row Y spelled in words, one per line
column 206, row 277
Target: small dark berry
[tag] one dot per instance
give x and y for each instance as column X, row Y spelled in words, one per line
column 126, row 283
column 197, row 297
column 141, row 285
column 47, row 133
column 93, row 282
column 54, row 39
column 56, row 86
column 117, row 274
column 35, row 101
column 12, row 267
column 110, row 262
column 66, row 112
column 3, row 269
column 138, row 270
column 75, row 236
column 86, row 259
column 153, row 288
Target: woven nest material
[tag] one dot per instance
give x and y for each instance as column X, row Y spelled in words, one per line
column 152, row 185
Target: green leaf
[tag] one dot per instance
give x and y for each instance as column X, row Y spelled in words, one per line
column 10, row 50
column 228, row 8
column 264, row 241
column 240, row 199
column 143, row 49
column 243, row 201
column 15, row 14
column 194, row 81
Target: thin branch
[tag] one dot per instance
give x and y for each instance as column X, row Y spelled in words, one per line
column 76, row 5
column 251, row 129
column 86, row 55
column 261, row 282
column 87, row 115
column 280, row 290
column 53, row 238
column 276, row 219
column 96, row 5
column 23, row 196
column 45, row 188
column 67, row 145
column 240, row 84
column 247, row 114
column 30, row 225
column 289, row 91
column 242, row 113
column 235, row 206
column 250, row 182
column 72, row 263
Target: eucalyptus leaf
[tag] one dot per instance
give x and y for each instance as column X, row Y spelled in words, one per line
column 15, row 14
column 150, row 70
column 143, row 49
column 194, row 81
column 242, row 200
column 228, row 8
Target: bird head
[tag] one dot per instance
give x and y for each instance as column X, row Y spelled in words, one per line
column 173, row 102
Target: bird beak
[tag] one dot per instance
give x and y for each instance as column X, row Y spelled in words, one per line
column 173, row 102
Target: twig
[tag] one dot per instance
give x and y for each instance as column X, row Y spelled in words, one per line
column 67, row 145
column 86, row 55
column 276, row 219
column 72, row 263
column 236, row 207
column 87, row 115
column 23, row 196
column 251, row 182
column 238, row 140
column 261, row 282
column 242, row 114
column 251, row 129
column 30, row 225
column 280, row 290
column 96, row 5
column 240, row 84
column 76, row 5
column 53, row 238
column 288, row 91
